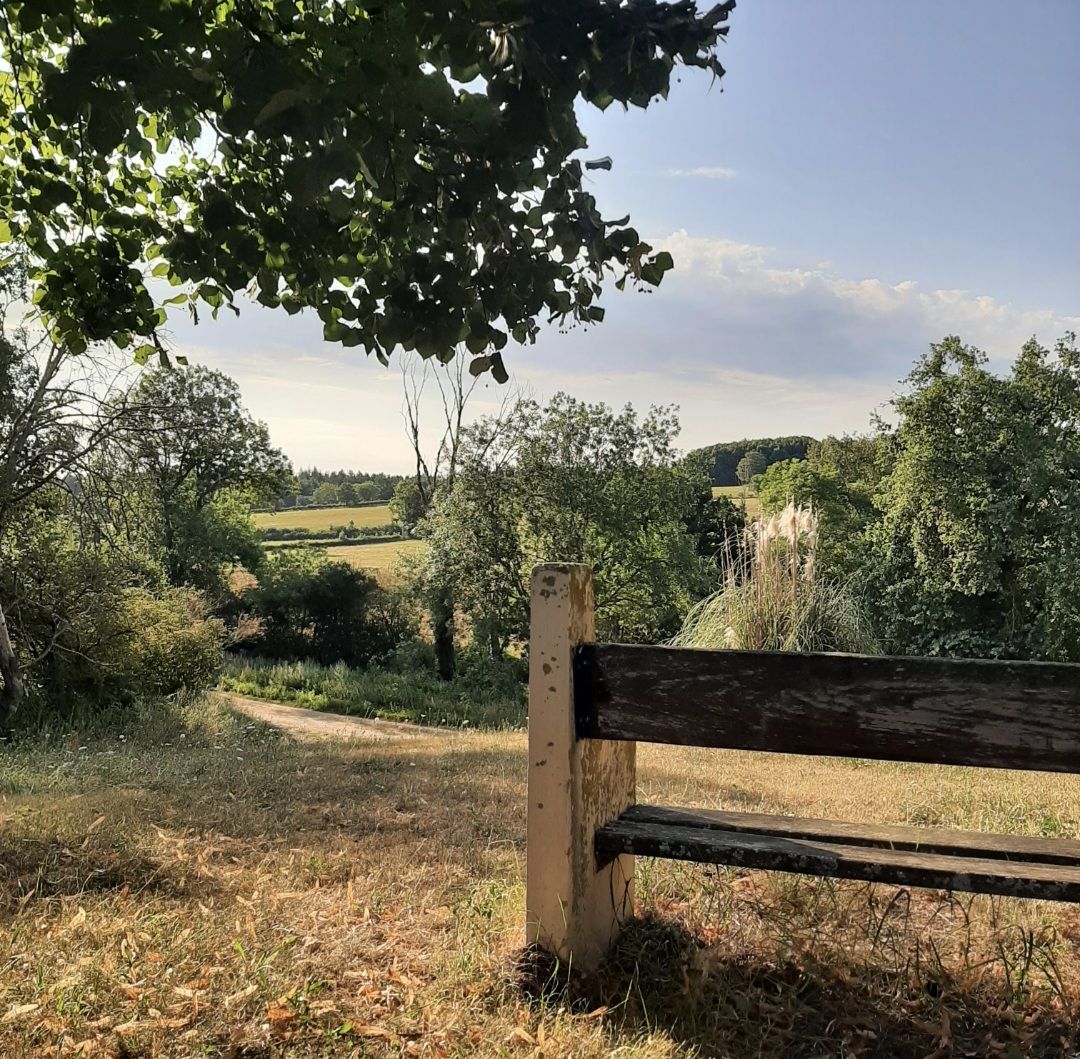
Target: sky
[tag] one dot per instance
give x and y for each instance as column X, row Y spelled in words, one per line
column 868, row 177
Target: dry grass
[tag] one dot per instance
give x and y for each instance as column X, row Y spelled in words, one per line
column 381, row 556
column 771, row 598
column 322, row 518
column 741, row 496
column 220, row 890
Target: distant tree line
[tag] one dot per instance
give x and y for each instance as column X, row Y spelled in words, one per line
column 723, row 459
column 312, row 487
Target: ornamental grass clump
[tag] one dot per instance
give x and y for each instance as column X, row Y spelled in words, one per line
column 772, row 599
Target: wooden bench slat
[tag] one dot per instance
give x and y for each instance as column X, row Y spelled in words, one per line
column 916, row 839
column 1023, row 715
column 1047, row 882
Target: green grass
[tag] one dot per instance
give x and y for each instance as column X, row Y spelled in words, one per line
column 322, row 518
column 480, row 698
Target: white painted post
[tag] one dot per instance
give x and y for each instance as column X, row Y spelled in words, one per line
column 573, row 910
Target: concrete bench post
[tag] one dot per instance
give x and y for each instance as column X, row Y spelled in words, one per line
column 573, row 909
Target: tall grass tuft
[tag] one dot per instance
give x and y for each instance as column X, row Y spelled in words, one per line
column 772, row 599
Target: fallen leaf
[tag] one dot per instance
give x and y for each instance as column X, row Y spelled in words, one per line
column 368, row 1030
column 242, row 995
column 17, row 1011
column 280, row 1017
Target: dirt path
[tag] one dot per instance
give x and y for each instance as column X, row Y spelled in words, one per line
column 315, row 724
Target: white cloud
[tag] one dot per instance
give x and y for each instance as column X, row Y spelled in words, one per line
column 707, row 172
column 748, row 341
column 749, row 280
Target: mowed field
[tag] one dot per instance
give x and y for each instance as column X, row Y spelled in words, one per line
column 378, row 556
column 742, row 497
column 322, row 518
column 200, row 885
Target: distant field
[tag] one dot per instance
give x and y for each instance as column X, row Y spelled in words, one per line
column 735, row 492
column 322, row 518
column 374, row 556
column 379, row 556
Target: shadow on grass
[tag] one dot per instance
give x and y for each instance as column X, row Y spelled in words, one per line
column 663, row 979
column 41, row 870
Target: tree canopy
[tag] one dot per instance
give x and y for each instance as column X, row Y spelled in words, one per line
column 976, row 549
column 404, row 169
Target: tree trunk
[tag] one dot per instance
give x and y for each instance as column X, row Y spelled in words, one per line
column 442, row 631
column 11, row 694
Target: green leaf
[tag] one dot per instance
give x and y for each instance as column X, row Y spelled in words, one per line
column 143, row 353
column 281, row 101
column 5, row 232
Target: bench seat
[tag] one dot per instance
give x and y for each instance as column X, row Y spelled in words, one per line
column 976, row 862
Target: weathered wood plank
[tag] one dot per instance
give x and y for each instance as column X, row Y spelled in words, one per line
column 1047, row 882
column 916, row 839
column 1023, row 715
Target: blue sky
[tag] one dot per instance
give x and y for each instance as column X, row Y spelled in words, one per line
column 872, row 176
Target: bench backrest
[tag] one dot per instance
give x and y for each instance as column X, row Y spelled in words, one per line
column 1020, row 715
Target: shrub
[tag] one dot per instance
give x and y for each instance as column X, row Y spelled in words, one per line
column 172, row 643
column 92, row 637
column 313, row 608
column 773, row 600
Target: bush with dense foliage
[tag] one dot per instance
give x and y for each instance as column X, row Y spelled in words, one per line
column 977, row 547
column 174, row 642
column 310, row 607
column 95, row 626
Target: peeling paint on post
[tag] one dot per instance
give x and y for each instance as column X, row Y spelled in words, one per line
column 573, row 909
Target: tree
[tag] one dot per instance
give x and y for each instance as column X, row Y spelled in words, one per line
column 406, row 506
column 52, row 423
column 326, row 494
column 435, row 471
column 365, row 492
column 579, row 483
column 860, row 462
column 203, row 460
column 723, row 459
column 404, row 169
column 976, row 549
column 750, row 466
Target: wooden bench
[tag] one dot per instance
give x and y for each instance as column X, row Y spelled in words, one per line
column 589, row 704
